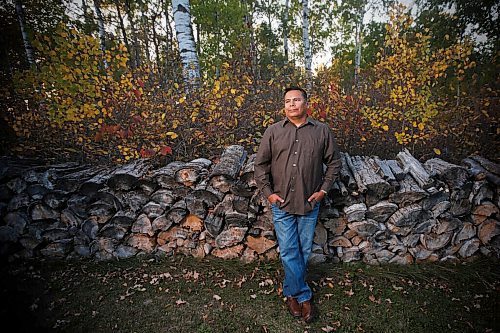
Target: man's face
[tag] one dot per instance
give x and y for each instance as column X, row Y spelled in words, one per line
column 295, row 105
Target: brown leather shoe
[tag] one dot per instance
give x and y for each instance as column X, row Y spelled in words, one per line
column 293, row 307
column 307, row 311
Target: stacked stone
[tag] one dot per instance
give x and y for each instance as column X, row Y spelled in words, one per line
column 379, row 211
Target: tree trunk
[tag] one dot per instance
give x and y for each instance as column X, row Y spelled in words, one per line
column 168, row 40
column 122, row 26
column 359, row 41
column 157, row 48
column 145, row 29
column 187, row 46
column 102, row 32
column 135, row 54
column 22, row 24
column 285, row 31
column 307, row 45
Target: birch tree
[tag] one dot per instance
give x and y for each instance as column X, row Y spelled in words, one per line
column 22, row 24
column 359, row 40
column 102, row 32
column 187, row 45
column 285, row 30
column 307, row 45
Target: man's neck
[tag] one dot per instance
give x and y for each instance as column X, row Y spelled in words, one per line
column 297, row 122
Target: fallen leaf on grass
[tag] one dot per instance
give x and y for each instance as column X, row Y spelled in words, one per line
column 180, row 302
column 333, row 328
column 253, row 296
column 349, row 292
column 243, row 280
column 217, row 297
column 397, row 288
column 266, row 282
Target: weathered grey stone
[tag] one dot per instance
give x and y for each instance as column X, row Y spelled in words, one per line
column 153, row 210
column 103, row 248
column 90, row 228
column 446, row 224
column 320, row 234
column 365, row 228
column 351, row 254
column 36, row 191
column 384, row 256
column 440, row 208
column 467, row 232
column 161, row 223
column 113, row 231
column 18, row 201
column 41, row 212
column 420, row 252
column 424, row 226
column 124, row 252
column 469, row 248
column 316, row 259
column 101, row 212
column 8, row 234
column 30, row 242
column 141, row 242
column 69, row 218
column 58, row 249
column 336, row 225
column 355, row 212
column 405, row 259
column 53, row 235
column 16, row 185
column 17, row 221
column 230, row 237
column 411, row 240
column 381, row 211
column 143, row 225
column 434, row 242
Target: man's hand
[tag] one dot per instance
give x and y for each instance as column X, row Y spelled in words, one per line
column 316, row 196
column 273, row 198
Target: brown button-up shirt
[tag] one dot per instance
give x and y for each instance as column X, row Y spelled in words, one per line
column 290, row 160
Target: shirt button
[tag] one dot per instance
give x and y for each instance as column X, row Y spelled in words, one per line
column 297, row 140
column 294, row 164
column 293, row 190
column 295, row 152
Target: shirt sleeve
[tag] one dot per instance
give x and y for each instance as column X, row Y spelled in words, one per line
column 331, row 158
column 262, row 165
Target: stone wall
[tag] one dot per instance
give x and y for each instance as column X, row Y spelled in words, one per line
column 379, row 211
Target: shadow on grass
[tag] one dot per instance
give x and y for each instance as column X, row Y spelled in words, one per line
column 182, row 294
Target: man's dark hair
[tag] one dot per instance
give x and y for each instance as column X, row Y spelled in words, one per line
column 304, row 94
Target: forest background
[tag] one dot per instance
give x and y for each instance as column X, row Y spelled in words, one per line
column 114, row 80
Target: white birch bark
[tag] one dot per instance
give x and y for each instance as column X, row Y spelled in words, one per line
column 359, row 42
column 102, row 32
column 22, row 24
column 307, row 45
column 187, row 45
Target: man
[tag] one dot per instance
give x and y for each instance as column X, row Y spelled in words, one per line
column 289, row 173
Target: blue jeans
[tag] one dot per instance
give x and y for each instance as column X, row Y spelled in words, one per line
column 295, row 235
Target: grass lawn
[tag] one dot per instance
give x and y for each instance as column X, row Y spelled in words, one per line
column 182, row 294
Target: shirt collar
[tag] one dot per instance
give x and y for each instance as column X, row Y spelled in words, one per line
column 309, row 121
